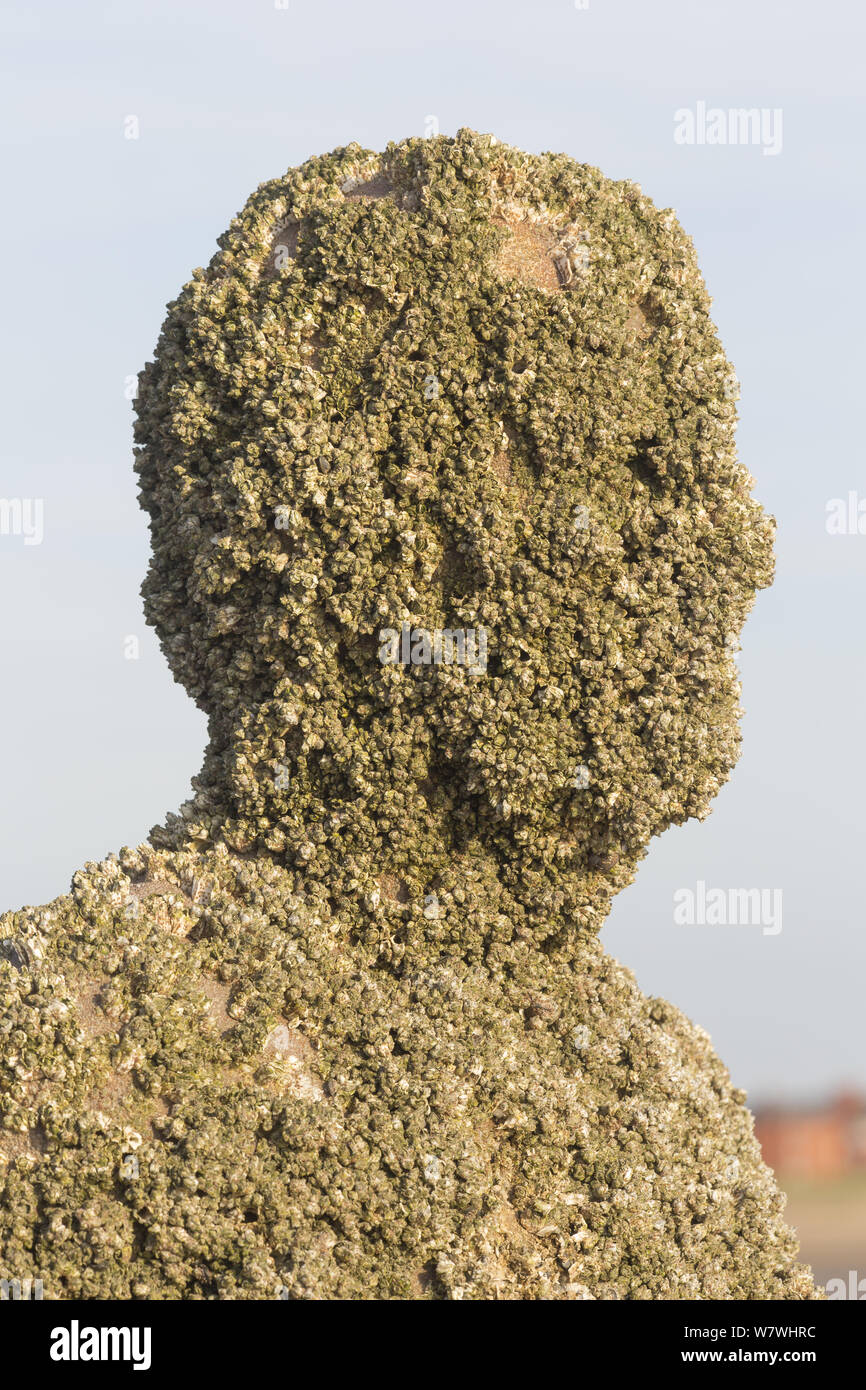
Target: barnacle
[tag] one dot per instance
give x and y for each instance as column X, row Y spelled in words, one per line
column 348, row 1010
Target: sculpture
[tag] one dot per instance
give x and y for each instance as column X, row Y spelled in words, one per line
column 344, row 1027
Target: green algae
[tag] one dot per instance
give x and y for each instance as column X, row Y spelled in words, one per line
column 344, row 1027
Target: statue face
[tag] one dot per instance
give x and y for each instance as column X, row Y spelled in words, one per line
column 445, row 506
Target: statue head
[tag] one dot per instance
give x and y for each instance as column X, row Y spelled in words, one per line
column 450, row 540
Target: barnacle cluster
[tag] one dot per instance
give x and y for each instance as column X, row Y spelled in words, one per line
column 344, row 1027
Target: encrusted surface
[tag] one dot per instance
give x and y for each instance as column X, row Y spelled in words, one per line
column 345, row 1028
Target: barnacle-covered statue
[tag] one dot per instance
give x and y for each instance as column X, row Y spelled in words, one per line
column 451, row 544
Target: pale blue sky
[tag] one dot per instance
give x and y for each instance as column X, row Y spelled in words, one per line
column 100, row 231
